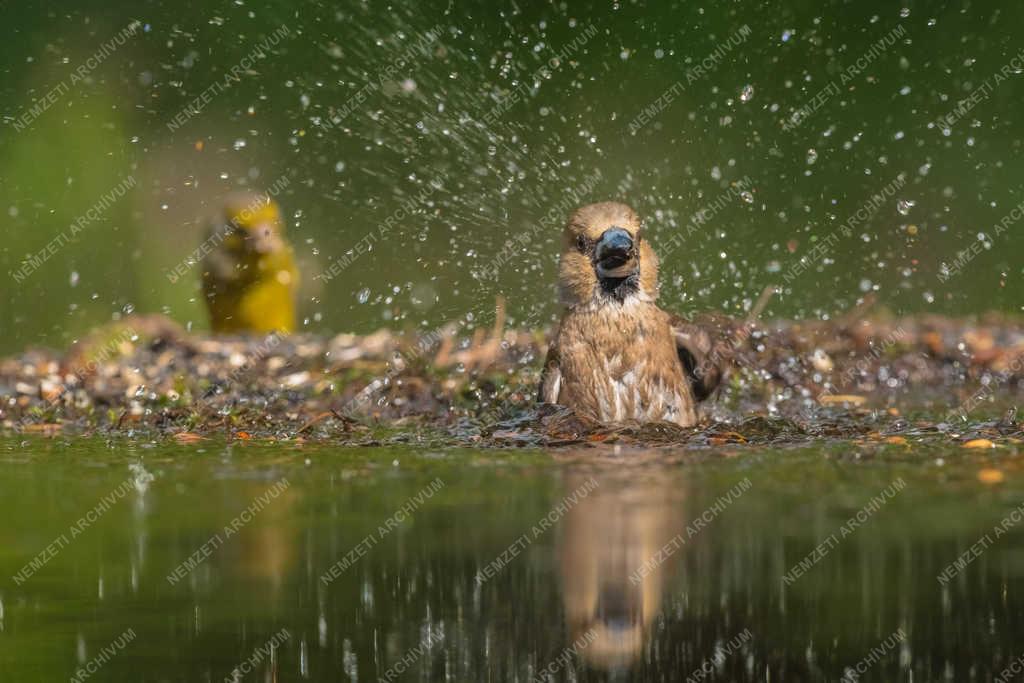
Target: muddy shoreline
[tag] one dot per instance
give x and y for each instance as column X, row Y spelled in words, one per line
column 881, row 379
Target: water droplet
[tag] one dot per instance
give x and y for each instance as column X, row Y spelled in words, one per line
column 659, row 53
column 716, row 173
column 339, row 167
column 239, row 143
column 748, row 197
column 812, row 156
column 905, row 12
column 364, row 295
column 904, row 206
column 747, row 93
column 73, row 280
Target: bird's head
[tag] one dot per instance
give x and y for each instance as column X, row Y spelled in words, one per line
column 605, row 259
column 252, row 223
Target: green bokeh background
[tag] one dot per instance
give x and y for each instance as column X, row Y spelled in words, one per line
column 426, row 122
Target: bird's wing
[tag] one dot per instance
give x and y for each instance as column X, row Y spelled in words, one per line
column 702, row 347
column 550, row 377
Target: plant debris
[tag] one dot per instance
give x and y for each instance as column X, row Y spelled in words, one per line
column 880, row 381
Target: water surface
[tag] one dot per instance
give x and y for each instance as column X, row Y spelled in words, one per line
column 329, row 564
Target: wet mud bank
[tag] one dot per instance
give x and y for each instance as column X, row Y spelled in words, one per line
column 883, row 380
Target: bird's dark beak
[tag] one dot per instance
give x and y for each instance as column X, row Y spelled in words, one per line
column 615, row 254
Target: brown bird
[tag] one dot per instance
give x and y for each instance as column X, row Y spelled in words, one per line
column 616, row 355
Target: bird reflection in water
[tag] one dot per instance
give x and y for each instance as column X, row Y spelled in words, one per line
column 619, row 547
column 264, row 551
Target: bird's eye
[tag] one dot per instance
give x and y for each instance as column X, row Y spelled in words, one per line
column 581, row 243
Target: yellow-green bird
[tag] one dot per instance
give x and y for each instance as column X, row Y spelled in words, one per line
column 249, row 273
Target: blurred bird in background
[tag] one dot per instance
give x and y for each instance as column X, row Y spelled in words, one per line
column 249, row 274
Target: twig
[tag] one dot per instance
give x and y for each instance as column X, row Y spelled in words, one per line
column 762, row 301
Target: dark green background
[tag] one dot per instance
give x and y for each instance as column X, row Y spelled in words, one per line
column 502, row 179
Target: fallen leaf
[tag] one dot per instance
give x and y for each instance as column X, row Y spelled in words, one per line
column 897, row 440
column 726, row 437
column 842, row 398
column 934, row 342
column 50, row 393
column 979, row 340
column 509, row 435
column 188, row 437
column 979, row 443
column 44, row 427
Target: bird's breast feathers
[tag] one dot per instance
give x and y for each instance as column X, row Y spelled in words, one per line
column 619, row 364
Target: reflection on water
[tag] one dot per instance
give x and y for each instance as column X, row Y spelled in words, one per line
column 658, row 572
column 610, row 558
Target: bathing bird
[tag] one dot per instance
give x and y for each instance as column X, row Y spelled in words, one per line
column 249, row 275
column 617, row 356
